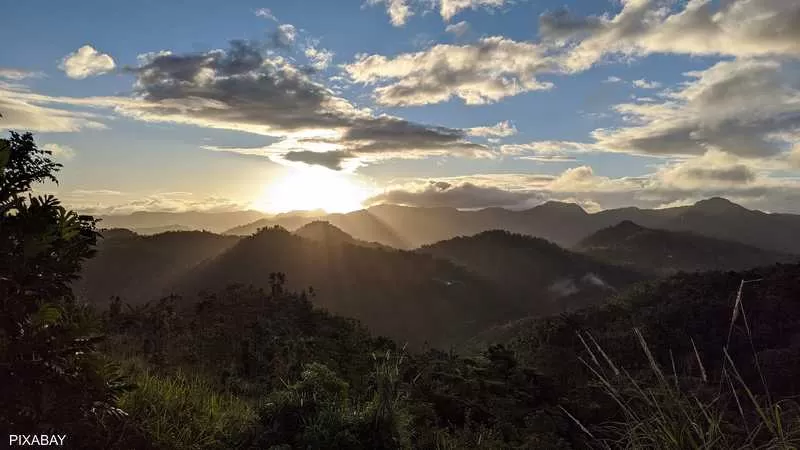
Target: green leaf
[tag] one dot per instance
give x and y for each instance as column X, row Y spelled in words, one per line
column 48, row 314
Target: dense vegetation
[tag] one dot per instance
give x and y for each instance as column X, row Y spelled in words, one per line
column 541, row 276
column 666, row 252
column 702, row 360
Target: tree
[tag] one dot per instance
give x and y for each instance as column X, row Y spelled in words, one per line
column 52, row 377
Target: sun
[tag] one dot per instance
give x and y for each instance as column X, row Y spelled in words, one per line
column 310, row 188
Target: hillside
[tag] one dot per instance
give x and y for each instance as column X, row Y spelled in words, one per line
column 540, row 274
column 665, row 251
column 138, row 268
column 324, row 232
column 405, row 295
column 670, row 312
column 565, row 224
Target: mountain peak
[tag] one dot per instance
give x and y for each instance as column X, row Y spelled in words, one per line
column 566, row 207
column 323, row 231
column 717, row 205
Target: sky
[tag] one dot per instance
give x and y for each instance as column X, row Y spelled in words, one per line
column 280, row 105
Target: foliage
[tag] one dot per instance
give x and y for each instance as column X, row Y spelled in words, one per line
column 186, row 412
column 53, row 379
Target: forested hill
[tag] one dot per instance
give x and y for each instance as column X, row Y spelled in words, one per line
column 540, row 274
column 139, row 268
column 411, row 297
column 670, row 314
column 665, row 251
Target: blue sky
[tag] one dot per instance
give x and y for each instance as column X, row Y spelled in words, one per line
column 464, row 103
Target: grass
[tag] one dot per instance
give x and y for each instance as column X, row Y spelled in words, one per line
column 186, row 412
column 667, row 411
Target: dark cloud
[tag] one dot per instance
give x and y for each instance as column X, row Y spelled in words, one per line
column 561, row 24
column 240, row 88
column 464, row 195
column 332, row 160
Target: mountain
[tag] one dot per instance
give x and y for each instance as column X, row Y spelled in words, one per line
column 676, row 315
column 565, row 224
column 537, row 273
column 325, row 232
column 146, row 222
column 404, row 295
column 670, row 251
column 137, row 268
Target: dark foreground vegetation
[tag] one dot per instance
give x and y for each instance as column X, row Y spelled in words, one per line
column 706, row 360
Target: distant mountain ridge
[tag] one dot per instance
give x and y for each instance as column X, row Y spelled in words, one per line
column 404, row 295
column 541, row 275
column 563, row 223
column 151, row 222
column 662, row 251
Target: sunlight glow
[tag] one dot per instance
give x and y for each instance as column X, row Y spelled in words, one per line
column 309, row 188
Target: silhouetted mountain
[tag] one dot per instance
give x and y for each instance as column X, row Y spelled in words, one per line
column 670, row 251
column 138, row 268
column 539, row 274
column 324, row 232
column 563, row 223
column 674, row 315
column 146, row 222
column 405, row 295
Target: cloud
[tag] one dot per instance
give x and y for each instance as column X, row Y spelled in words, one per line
column 20, row 113
column 266, row 13
column 320, row 58
column 645, row 84
column 479, row 73
column 742, row 28
column 673, row 183
column 104, row 202
column 613, row 79
column 59, row 151
column 745, row 107
column 464, row 195
column 333, row 160
column 449, row 8
column 458, row 29
column 284, row 36
column 18, row 74
column 714, row 169
column 86, row 62
column 399, row 10
column 241, row 89
column 546, row 147
column 502, row 129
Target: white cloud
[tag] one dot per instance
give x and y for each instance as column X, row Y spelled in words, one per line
column 502, row 129
column 22, row 110
column 449, row 8
column 645, row 84
column 18, row 74
column 320, row 58
column 59, row 151
column 734, row 28
column 86, row 62
column 613, row 79
column 458, row 29
column 399, row 10
column 479, row 73
column 107, row 202
column 285, row 35
column 745, row 107
column 266, row 13
column 676, row 183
